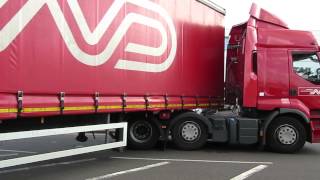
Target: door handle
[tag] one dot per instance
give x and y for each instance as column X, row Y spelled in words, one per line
column 293, row 92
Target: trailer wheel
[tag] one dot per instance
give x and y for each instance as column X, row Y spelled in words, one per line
column 286, row 135
column 143, row 134
column 189, row 132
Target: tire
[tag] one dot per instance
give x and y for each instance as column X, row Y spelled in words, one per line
column 286, row 135
column 189, row 132
column 142, row 134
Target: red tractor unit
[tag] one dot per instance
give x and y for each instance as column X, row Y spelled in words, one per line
column 273, row 73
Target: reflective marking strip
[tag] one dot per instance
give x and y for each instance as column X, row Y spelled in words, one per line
column 107, row 176
column 10, row 110
column 44, row 109
column 137, row 106
column 109, row 107
column 174, row 105
column 84, row 108
column 250, row 172
column 189, row 105
column 156, row 106
column 80, row 108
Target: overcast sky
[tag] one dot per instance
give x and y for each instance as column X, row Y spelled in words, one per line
column 298, row 14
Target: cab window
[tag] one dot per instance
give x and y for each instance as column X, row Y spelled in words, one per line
column 307, row 66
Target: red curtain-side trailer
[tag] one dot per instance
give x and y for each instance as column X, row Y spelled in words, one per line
column 73, row 66
column 70, row 57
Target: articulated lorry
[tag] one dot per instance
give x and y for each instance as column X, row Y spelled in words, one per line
column 76, row 64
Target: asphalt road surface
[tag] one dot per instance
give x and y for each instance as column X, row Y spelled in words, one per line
column 212, row 162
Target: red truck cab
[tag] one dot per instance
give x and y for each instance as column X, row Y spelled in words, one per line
column 275, row 72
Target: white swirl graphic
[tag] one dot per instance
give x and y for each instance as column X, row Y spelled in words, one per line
column 21, row 19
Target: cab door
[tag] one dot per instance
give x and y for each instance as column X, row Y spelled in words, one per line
column 305, row 79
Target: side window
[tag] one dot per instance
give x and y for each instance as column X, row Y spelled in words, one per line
column 307, row 66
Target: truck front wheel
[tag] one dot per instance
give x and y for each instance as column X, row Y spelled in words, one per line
column 189, row 133
column 286, row 135
column 143, row 134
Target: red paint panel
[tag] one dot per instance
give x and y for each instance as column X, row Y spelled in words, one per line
column 156, row 103
column 270, row 61
column 115, row 102
column 286, row 38
column 315, row 126
column 135, row 104
column 189, row 102
column 43, row 101
column 175, row 103
column 8, row 101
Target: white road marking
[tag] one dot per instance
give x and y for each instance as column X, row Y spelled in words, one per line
column 250, row 172
column 6, row 155
column 107, row 176
column 18, row 151
column 191, row 160
column 46, row 165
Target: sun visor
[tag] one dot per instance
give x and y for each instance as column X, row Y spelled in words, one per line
column 263, row 15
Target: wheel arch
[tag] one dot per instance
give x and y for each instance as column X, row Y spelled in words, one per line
column 147, row 117
column 297, row 114
column 204, row 120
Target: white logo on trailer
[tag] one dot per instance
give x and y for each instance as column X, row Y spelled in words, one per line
column 21, row 19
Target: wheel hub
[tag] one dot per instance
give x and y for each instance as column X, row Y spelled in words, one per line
column 287, row 134
column 141, row 131
column 190, row 131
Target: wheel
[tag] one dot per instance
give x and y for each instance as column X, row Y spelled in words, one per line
column 189, row 132
column 143, row 134
column 286, row 135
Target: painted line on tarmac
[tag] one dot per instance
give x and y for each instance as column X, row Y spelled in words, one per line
column 46, row 165
column 7, row 155
column 191, row 160
column 250, row 172
column 107, row 176
column 17, row 151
